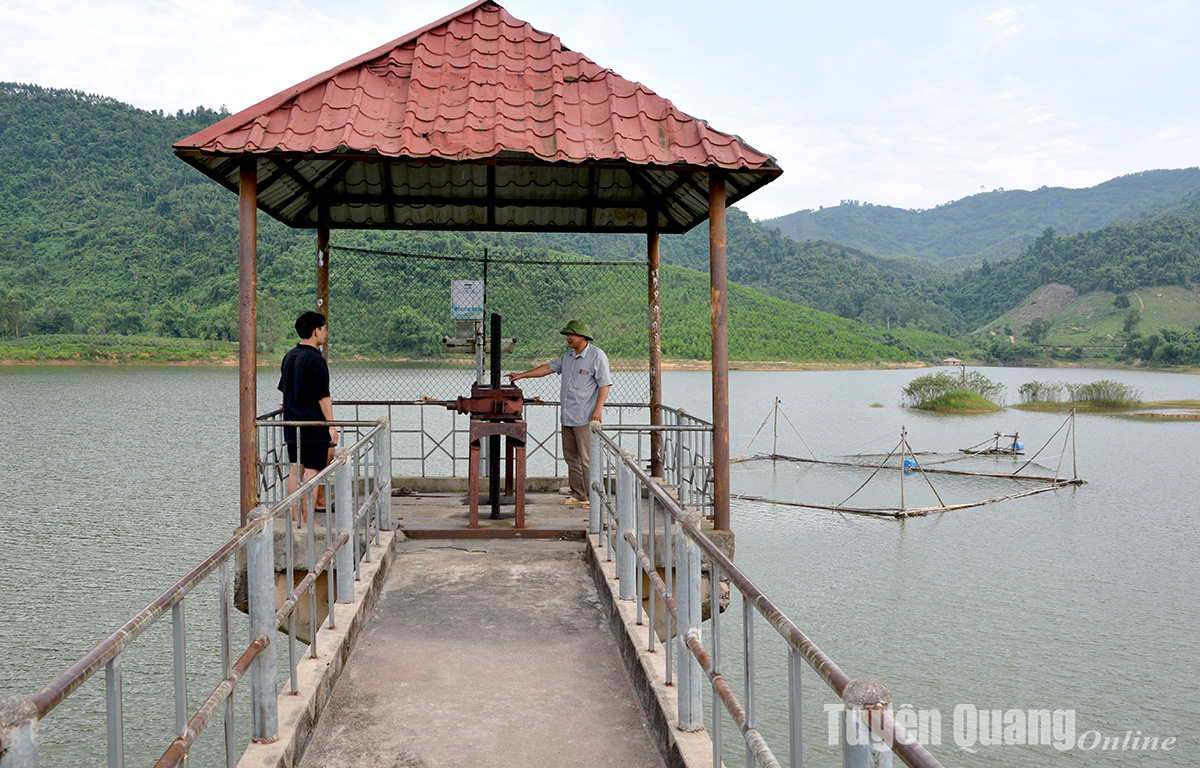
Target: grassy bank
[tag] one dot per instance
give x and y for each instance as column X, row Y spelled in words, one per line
column 116, row 350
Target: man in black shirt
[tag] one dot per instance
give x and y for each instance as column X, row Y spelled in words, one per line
column 304, row 382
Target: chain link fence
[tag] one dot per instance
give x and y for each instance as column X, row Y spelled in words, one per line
column 389, row 313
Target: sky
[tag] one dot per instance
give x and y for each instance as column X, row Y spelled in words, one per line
column 910, row 104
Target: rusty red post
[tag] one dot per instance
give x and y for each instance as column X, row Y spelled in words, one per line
column 720, row 349
column 652, row 281
column 323, row 265
column 248, row 333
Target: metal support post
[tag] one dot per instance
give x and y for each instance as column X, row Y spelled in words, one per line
column 260, row 579
column 247, row 333
column 652, row 282
column 626, row 490
column 720, row 350
column 864, row 698
column 795, row 709
column 179, row 636
column 226, row 666
column 323, row 263
column 748, row 669
column 18, row 732
column 114, row 707
column 383, row 473
column 687, row 602
column 343, row 521
column 595, row 477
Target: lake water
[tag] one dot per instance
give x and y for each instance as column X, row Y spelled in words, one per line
column 1080, row 601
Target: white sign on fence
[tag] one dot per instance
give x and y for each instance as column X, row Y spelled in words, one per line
column 466, row 300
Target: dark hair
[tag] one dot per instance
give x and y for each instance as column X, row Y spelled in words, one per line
column 309, row 322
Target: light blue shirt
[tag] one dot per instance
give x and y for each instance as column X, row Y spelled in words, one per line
column 582, row 377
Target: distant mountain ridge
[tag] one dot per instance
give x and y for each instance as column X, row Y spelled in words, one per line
column 994, row 225
column 104, row 231
column 1119, row 258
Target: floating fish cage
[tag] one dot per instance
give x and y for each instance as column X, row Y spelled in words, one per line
column 922, row 475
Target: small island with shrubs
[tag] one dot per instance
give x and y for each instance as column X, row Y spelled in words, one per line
column 945, row 392
column 974, row 393
column 1097, row 395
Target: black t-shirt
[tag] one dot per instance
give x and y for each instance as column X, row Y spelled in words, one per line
column 304, row 382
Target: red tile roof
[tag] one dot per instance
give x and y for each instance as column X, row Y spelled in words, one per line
column 479, row 89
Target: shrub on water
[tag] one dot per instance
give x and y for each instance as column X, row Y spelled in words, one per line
column 930, row 387
column 1104, row 392
column 1040, row 392
column 985, row 387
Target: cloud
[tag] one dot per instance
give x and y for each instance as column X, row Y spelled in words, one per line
column 904, row 105
column 1006, row 22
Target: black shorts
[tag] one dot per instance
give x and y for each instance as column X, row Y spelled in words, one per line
column 312, row 455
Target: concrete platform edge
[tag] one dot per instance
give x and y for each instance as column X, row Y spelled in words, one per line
column 647, row 671
column 316, row 678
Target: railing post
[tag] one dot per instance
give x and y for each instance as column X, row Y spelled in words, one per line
column 383, row 473
column 179, row 633
column 687, row 602
column 595, row 476
column 863, row 698
column 626, row 499
column 260, row 580
column 343, row 521
column 114, row 707
column 18, row 732
column 795, row 707
column 677, row 459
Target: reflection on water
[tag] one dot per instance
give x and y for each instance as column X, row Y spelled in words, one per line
column 118, row 480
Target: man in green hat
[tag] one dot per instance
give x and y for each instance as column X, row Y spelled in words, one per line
column 582, row 393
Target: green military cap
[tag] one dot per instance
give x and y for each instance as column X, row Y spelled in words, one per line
column 579, row 328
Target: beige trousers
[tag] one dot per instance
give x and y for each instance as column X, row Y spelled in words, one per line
column 575, row 451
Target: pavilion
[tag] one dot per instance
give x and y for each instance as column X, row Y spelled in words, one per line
column 479, row 121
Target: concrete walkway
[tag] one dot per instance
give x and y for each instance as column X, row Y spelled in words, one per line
column 484, row 653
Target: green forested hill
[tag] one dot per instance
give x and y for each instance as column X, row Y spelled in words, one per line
column 99, row 225
column 104, row 232
column 1119, row 258
column 993, row 225
column 827, row 276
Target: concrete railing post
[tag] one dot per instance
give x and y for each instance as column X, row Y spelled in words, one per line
column 383, row 474
column 864, row 698
column 687, row 602
column 595, row 476
column 343, row 522
column 18, row 732
column 626, row 499
column 260, row 580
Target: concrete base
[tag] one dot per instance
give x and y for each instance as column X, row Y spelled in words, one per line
column 303, row 622
column 417, row 484
column 444, row 516
column 417, row 531
column 492, row 653
column 299, row 537
column 298, row 715
column 647, row 671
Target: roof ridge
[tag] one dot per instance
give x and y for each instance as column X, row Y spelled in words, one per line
column 272, row 102
column 453, row 124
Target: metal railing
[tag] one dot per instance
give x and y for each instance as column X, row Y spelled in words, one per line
column 439, row 439
column 687, row 457
column 631, row 516
column 364, row 509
